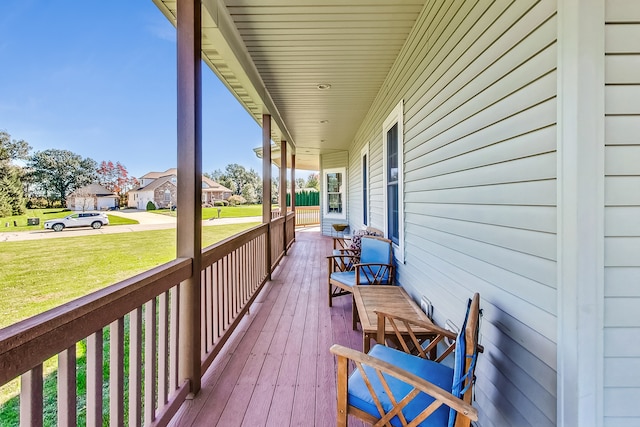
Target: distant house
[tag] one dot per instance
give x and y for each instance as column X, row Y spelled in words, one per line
column 92, row 197
column 161, row 189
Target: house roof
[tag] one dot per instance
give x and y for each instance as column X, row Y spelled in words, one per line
column 160, row 178
column 94, row 189
column 156, row 175
column 213, row 185
column 157, row 183
column 274, row 57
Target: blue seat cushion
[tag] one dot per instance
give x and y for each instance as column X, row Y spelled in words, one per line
column 348, row 278
column 436, row 373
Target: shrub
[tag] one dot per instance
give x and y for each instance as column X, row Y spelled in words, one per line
column 236, row 200
column 151, row 206
column 221, row 203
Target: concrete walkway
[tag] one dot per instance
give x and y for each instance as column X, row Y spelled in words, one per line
column 147, row 221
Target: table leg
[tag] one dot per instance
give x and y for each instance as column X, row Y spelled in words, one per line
column 354, row 313
column 366, row 342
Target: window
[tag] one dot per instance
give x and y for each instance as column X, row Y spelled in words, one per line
column 334, row 192
column 392, row 137
column 364, row 156
column 167, row 195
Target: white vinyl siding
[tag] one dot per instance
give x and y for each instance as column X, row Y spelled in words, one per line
column 479, row 85
column 622, row 214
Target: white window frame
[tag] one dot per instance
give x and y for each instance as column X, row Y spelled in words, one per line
column 343, row 192
column 395, row 117
column 365, row 185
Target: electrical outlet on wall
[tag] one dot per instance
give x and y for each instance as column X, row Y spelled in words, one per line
column 427, row 307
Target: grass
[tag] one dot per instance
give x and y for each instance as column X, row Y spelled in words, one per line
column 38, row 275
column 19, row 222
column 241, row 211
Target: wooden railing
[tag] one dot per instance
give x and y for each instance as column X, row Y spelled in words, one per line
column 277, row 242
column 233, row 273
column 307, row 215
column 290, row 229
column 144, row 303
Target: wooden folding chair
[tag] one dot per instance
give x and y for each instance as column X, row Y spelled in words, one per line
column 391, row 387
column 372, row 266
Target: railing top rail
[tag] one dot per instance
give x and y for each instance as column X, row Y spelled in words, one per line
column 218, row 250
column 276, row 221
column 25, row 344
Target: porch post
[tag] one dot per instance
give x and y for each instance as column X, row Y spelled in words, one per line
column 266, row 184
column 283, row 191
column 293, row 191
column 189, row 221
column 293, row 182
column 580, row 199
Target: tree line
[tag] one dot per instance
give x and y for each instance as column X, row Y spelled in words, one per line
column 248, row 184
column 45, row 178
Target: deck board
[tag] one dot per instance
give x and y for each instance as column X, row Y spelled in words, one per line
column 276, row 369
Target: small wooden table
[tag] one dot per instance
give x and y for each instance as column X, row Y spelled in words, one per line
column 390, row 299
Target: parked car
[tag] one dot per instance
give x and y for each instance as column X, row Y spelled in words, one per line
column 81, row 219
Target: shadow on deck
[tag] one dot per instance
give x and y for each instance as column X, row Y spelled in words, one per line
column 276, row 369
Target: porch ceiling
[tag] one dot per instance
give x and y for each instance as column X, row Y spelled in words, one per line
column 273, row 54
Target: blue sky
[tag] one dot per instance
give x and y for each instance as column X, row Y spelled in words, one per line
column 101, row 82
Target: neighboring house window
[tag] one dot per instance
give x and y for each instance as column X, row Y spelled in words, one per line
column 167, row 195
column 392, row 137
column 364, row 156
column 334, row 191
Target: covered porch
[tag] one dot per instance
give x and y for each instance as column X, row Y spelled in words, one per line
column 276, row 369
column 495, row 142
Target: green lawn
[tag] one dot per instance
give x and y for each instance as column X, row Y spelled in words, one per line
column 19, row 222
column 241, row 211
column 38, row 275
column 41, row 274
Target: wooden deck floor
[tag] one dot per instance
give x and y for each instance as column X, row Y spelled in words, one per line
column 277, row 369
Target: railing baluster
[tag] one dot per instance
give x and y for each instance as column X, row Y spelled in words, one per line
column 228, row 293
column 233, row 267
column 220, row 306
column 208, row 300
column 203, row 311
column 94, row 379
column 135, row 357
column 116, row 373
column 150, row 363
column 163, row 348
column 67, row 387
column 31, row 397
column 174, row 295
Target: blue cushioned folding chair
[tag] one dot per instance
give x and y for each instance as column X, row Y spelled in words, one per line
column 391, row 387
column 372, row 266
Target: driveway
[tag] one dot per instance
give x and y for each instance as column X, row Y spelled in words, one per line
column 144, row 217
column 147, row 221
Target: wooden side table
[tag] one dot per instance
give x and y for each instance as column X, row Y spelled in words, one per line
column 390, row 299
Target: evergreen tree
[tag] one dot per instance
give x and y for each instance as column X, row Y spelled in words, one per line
column 12, row 200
